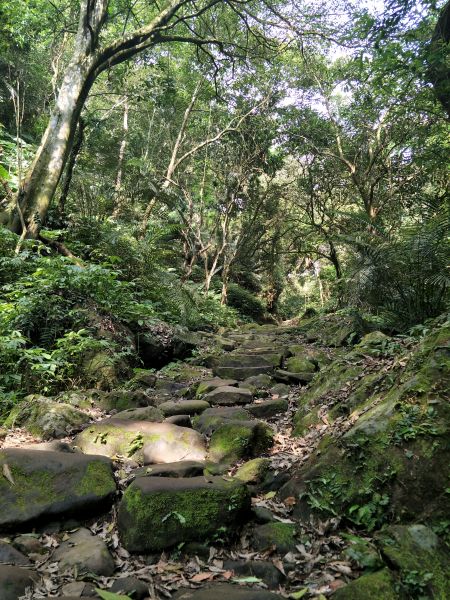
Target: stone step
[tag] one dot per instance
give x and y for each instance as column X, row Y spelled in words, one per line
column 229, row 396
column 226, row 591
column 156, row 513
column 143, row 441
column 45, row 485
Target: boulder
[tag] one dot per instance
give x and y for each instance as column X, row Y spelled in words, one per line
column 280, row 390
column 241, row 367
column 262, row 381
column 229, row 396
column 124, row 399
column 208, row 386
column 52, row 484
column 213, row 418
column 374, row 586
column 299, row 364
column 239, row 439
column 264, row 570
column 338, row 329
column 14, row 581
column 181, row 420
column 85, row 553
column 156, row 513
column 130, row 586
column 416, row 548
column 278, row 535
column 46, row 418
column 268, row 408
column 103, row 370
column 10, row 556
column 147, row 413
column 144, row 441
column 225, row 591
column 293, row 378
column 253, row 471
column 183, row 407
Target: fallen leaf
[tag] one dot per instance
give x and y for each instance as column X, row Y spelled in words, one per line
column 290, row 501
column 202, row 577
column 7, row 474
column 299, row 594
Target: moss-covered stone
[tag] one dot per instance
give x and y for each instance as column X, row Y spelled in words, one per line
column 417, row 549
column 268, row 408
column 299, row 364
column 213, row 418
column 103, row 370
column 148, row 413
column 389, row 464
column 338, row 329
column 123, row 400
column 158, row 512
column 142, row 440
column 238, row 439
column 280, row 535
column 381, row 585
column 211, row 384
column 49, row 484
column 183, row 407
column 46, row 418
column 253, row 471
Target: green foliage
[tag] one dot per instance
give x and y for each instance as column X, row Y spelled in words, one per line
column 244, row 302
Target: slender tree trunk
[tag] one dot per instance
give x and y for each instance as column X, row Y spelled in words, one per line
column 438, row 69
column 119, row 199
column 70, row 166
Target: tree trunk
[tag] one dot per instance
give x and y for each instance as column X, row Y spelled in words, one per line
column 118, row 184
column 438, row 70
column 70, row 167
column 39, row 186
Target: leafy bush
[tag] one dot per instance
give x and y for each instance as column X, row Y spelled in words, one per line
column 244, row 302
column 405, row 280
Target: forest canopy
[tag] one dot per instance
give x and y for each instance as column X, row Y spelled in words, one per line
column 203, row 163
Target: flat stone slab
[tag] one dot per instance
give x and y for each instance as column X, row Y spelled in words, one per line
column 143, row 441
column 239, row 439
column 294, row 378
column 159, row 512
column 210, row 385
column 183, row 407
column 213, row 418
column 242, row 366
column 86, row 553
column 183, row 468
column 268, row 408
column 226, row 591
column 14, row 581
column 146, row 413
column 229, row 396
column 11, row 556
column 51, row 484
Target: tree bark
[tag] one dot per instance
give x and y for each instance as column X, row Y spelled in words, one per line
column 76, row 148
column 438, row 70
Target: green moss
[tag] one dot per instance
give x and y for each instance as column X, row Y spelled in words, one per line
column 281, row 535
column 97, row 480
column 421, row 558
column 253, row 471
column 376, row 586
column 38, row 487
column 163, row 518
column 298, row 364
column 237, row 439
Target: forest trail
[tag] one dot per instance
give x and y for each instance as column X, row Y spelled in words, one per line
column 190, row 488
column 248, row 425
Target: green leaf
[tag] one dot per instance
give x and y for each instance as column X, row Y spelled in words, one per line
column 299, row 594
column 110, row 595
column 270, row 495
column 4, row 173
column 246, row 579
